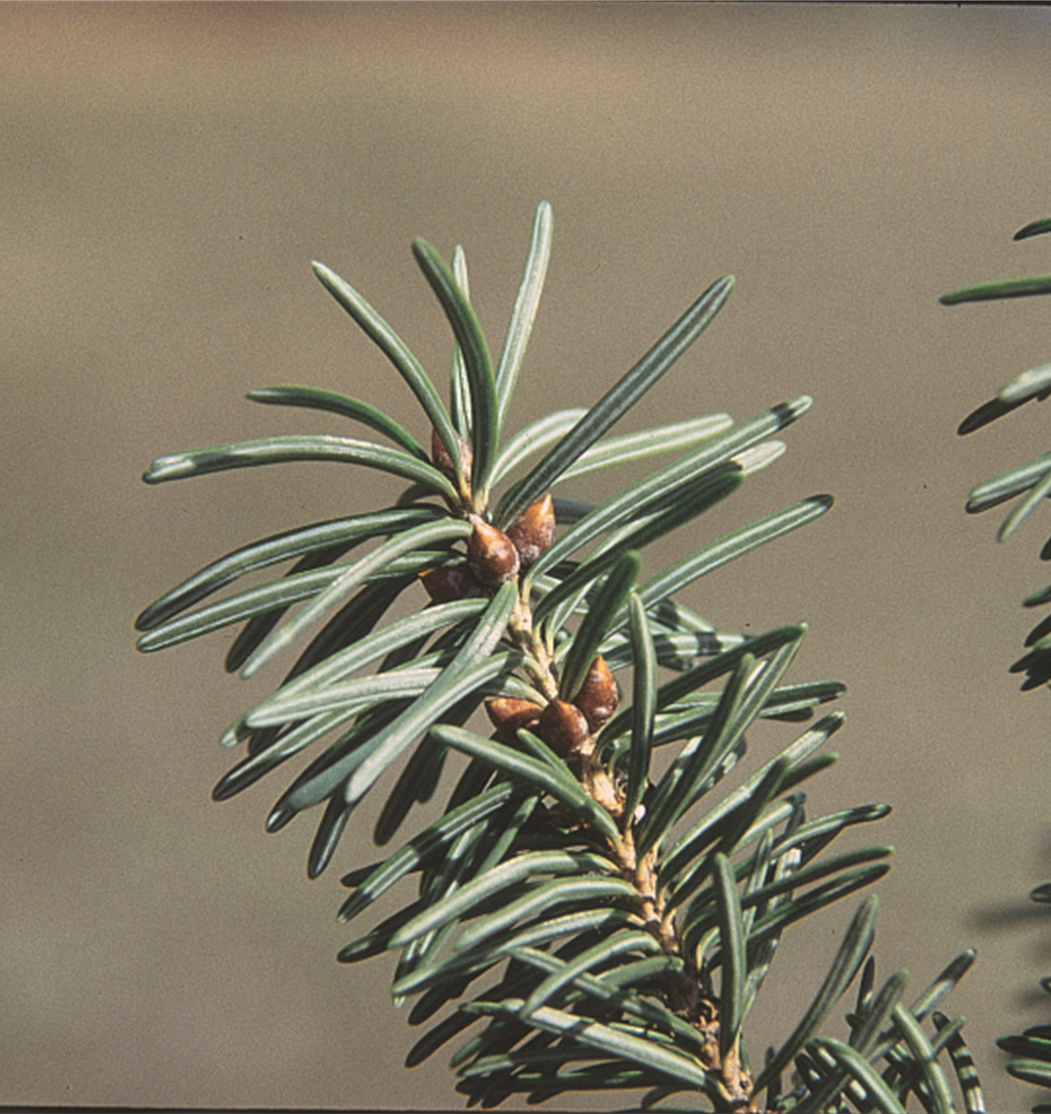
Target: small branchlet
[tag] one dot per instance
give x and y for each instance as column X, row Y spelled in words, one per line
column 521, row 824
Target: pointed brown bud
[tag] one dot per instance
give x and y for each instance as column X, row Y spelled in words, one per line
column 454, row 582
column 510, row 715
column 534, row 529
column 491, row 555
column 598, row 697
column 441, row 459
column 563, row 727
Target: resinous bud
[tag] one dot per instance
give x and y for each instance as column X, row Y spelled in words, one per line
column 491, row 554
column 534, row 529
column 510, row 715
column 598, row 697
column 563, row 727
column 452, row 582
column 441, row 459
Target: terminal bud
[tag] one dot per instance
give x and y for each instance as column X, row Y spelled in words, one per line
column 563, row 727
column 598, row 697
column 510, row 715
column 491, row 554
column 443, row 462
column 451, row 582
column 534, row 529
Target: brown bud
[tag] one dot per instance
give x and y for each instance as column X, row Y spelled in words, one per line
column 534, row 530
column 598, row 697
column 509, row 715
column 453, row 582
column 563, row 727
column 491, row 555
column 441, row 459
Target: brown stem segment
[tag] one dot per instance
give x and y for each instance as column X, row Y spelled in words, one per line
column 572, row 731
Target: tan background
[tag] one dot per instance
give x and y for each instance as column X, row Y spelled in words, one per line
column 167, row 174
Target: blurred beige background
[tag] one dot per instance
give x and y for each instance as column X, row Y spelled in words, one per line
column 166, row 176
